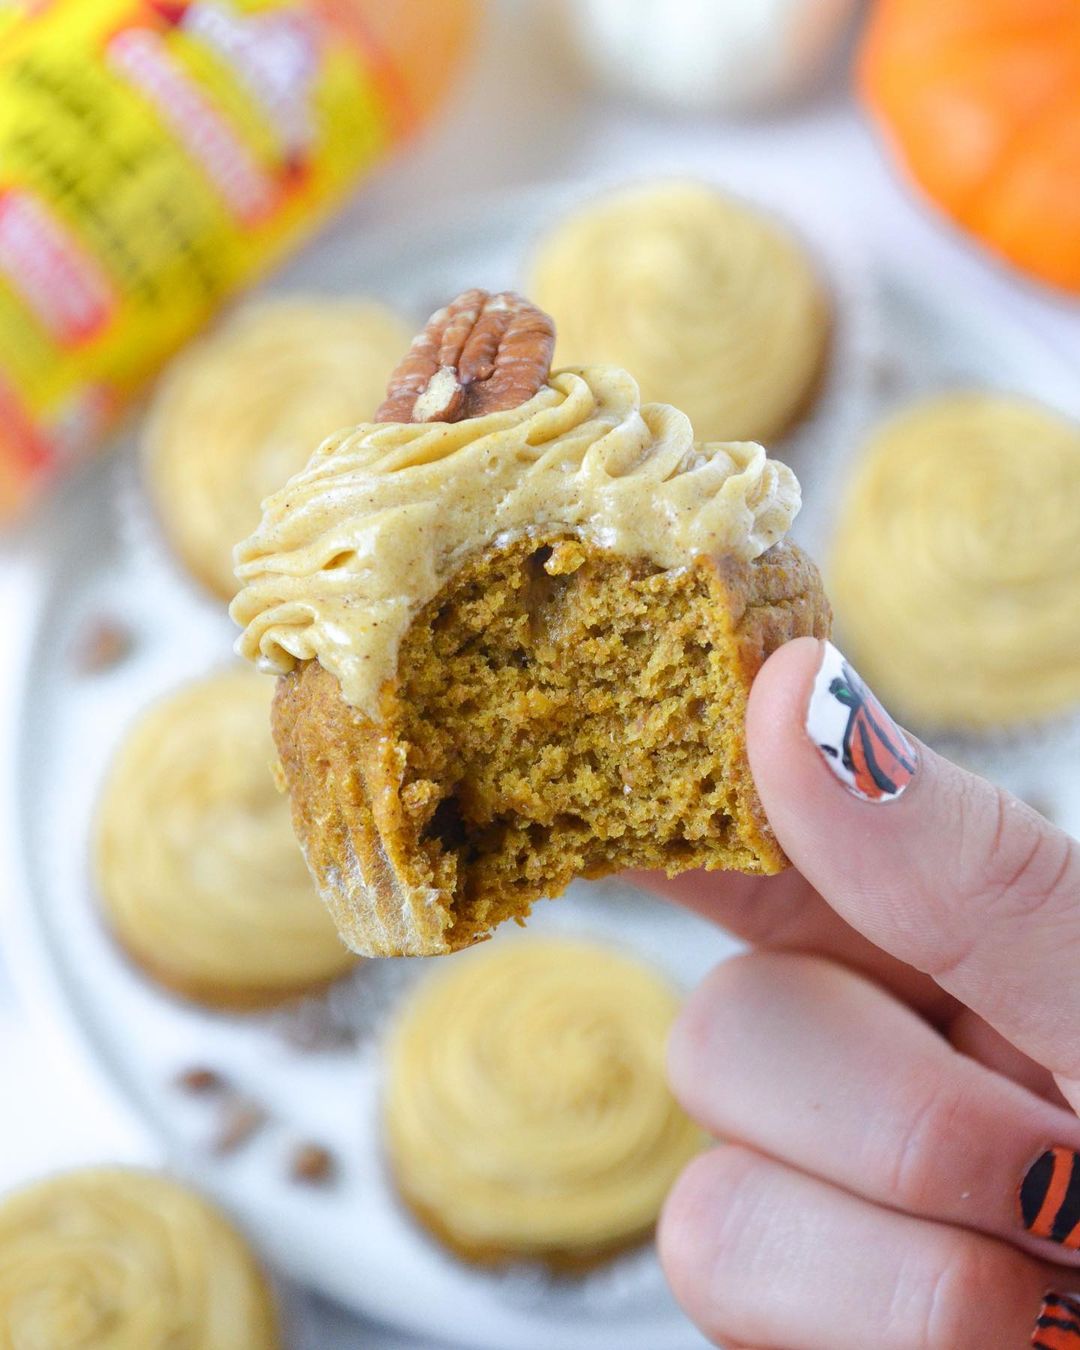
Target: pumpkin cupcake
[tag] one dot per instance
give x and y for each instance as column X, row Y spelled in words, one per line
column 199, row 874
column 956, row 562
column 128, row 1260
column 516, row 619
column 710, row 303
column 526, row 1112
column 241, row 410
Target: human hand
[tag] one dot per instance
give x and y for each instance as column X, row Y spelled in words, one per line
column 892, row 1067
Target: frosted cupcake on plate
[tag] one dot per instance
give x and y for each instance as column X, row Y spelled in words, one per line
column 955, row 566
column 243, row 408
column 112, row 1258
column 199, row 874
column 712, row 304
column 526, row 1112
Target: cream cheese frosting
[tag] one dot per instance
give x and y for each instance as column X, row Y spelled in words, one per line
column 198, row 869
column 357, row 542
column 242, row 408
column 124, row 1259
column 956, row 563
column 526, row 1107
column 712, row 304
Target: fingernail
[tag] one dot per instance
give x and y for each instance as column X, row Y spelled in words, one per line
column 858, row 739
column 1058, row 1327
column 1050, row 1197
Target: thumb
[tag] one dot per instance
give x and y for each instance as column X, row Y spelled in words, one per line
column 936, row 866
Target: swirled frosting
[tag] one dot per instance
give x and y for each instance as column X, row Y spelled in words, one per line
column 199, row 872
column 526, row 1106
column 956, row 566
column 714, row 306
column 383, row 515
column 241, row 409
column 128, row 1260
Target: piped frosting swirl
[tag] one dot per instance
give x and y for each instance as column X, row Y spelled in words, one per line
column 525, row 1105
column 128, row 1260
column 384, row 514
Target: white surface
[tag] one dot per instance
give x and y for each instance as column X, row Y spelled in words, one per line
column 707, row 55
column 519, row 119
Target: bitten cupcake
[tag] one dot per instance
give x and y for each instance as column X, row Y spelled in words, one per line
column 199, row 874
column 516, row 618
column 526, row 1111
column 710, row 303
column 116, row 1259
column 242, row 409
column 955, row 567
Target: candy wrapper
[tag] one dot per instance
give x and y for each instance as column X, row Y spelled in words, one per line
column 159, row 155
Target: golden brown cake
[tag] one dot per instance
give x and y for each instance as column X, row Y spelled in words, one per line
column 116, row 1259
column 710, row 303
column 516, row 647
column 526, row 1113
column 241, row 410
column 199, row 874
column 956, row 562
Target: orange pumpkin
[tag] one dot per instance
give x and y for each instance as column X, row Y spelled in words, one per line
column 981, row 100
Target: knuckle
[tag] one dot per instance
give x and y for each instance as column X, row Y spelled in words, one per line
column 1027, row 861
column 1014, row 867
column 940, row 1299
column 928, row 1124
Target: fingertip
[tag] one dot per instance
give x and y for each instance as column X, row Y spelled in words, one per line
column 700, row 1234
column 776, row 712
column 688, row 1217
column 702, row 1026
column 782, row 685
column 688, row 1040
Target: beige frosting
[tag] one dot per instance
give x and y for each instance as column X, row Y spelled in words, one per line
column 956, row 566
column 199, row 871
column 240, row 411
column 125, row 1260
column 714, row 306
column 352, row 547
column 526, row 1105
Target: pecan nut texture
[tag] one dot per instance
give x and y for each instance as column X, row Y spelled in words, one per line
column 479, row 354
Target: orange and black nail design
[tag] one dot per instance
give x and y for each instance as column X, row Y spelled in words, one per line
column 1050, row 1197
column 1058, row 1327
column 861, row 743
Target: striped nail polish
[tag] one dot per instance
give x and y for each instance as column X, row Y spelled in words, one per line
column 1050, row 1197
column 1058, row 1327
column 858, row 739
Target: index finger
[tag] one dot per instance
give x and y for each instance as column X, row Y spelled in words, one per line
column 940, row 868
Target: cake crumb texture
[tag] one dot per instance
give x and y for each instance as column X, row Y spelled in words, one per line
column 558, row 711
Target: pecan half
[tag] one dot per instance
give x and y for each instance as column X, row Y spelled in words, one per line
column 479, row 354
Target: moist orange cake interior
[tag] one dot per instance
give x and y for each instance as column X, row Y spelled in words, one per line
column 567, row 712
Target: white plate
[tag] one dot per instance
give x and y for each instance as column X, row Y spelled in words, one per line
column 352, row 1241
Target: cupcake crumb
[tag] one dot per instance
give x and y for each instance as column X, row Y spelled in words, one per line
column 103, row 644
column 200, row 1080
column 240, row 1118
column 312, row 1164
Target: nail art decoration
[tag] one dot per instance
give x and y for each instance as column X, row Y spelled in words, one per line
column 1058, row 1327
column 861, row 743
column 1050, row 1197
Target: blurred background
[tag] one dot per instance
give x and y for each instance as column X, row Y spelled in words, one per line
column 905, row 177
